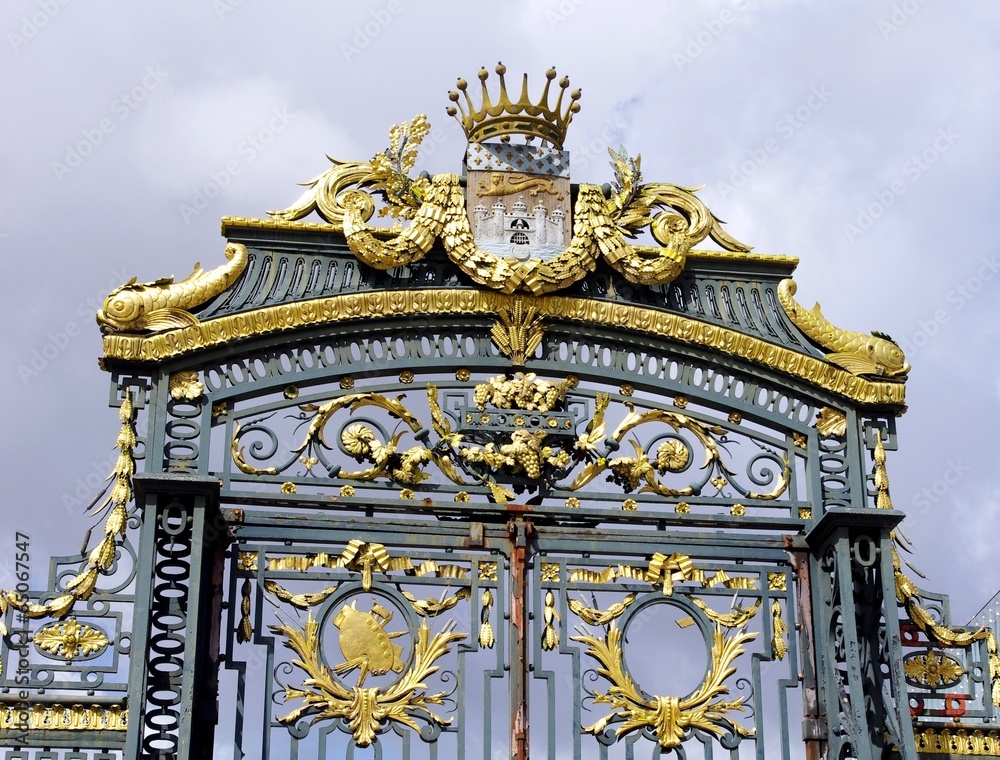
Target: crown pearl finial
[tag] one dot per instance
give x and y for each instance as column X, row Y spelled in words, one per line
column 451, row 111
column 504, row 117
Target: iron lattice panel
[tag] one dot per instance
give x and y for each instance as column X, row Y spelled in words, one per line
column 521, row 595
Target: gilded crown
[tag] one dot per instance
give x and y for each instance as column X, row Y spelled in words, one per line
column 506, row 117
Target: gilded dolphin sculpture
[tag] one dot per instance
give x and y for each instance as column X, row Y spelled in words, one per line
column 858, row 353
column 164, row 304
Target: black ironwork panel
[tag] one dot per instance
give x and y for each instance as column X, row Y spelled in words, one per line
column 326, row 634
column 175, row 626
column 661, row 644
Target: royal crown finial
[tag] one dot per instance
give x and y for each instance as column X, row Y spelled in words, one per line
column 506, row 117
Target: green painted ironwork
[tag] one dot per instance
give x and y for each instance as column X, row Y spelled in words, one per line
column 227, row 560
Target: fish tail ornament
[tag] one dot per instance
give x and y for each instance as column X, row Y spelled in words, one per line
column 165, row 304
column 858, row 353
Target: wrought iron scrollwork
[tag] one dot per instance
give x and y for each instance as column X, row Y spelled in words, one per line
column 519, row 433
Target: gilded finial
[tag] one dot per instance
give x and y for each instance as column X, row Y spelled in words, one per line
column 506, row 117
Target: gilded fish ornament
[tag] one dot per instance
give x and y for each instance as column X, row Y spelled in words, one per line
column 858, row 353
column 164, row 304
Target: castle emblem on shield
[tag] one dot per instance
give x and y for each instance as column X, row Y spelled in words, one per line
column 517, row 194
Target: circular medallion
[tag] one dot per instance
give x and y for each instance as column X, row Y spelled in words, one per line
column 664, row 649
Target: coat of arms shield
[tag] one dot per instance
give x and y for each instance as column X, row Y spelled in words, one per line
column 518, row 199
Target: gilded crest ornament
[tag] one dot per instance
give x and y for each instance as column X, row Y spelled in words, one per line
column 367, row 711
column 517, row 195
column 509, row 223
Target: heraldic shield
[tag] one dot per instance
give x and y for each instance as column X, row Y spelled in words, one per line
column 518, row 197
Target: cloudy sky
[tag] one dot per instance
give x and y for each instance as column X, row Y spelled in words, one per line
column 859, row 136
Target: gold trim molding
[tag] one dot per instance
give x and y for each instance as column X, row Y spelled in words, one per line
column 957, row 741
column 179, row 341
column 253, row 223
column 69, row 717
column 742, row 257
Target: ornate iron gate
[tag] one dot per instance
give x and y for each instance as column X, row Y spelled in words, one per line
column 498, row 483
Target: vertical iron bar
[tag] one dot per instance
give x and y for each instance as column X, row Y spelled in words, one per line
column 140, row 632
column 893, row 642
column 852, row 647
column 518, row 530
column 812, row 729
column 866, row 595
